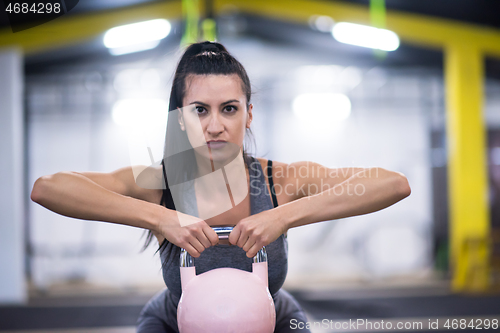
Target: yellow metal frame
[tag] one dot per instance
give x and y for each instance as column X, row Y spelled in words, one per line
column 467, row 171
column 464, row 45
column 191, row 15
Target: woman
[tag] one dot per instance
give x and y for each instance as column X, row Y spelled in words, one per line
column 207, row 179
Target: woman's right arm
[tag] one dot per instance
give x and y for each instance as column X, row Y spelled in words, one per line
column 115, row 197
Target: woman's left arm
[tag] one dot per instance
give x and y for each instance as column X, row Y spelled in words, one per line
column 338, row 193
column 364, row 192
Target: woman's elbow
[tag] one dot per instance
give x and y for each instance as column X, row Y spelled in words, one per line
column 404, row 189
column 41, row 188
column 38, row 189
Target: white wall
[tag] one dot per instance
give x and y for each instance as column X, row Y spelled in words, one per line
column 12, row 280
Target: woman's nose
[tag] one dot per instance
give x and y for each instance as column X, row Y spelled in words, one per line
column 215, row 125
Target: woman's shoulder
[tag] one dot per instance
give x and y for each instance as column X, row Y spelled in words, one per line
column 282, row 178
column 289, row 171
column 290, row 178
column 276, row 165
column 278, row 170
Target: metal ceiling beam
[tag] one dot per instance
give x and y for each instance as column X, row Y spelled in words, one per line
column 411, row 28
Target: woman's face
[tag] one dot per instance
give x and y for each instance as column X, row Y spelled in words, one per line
column 215, row 115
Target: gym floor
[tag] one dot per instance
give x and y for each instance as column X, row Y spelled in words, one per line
column 328, row 311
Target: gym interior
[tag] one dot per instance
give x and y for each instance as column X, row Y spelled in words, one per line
column 428, row 107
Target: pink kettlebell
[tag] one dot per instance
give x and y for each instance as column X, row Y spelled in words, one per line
column 225, row 300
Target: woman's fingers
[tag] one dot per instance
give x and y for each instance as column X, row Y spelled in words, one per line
column 200, row 236
column 198, row 247
column 248, row 245
column 234, row 235
column 205, row 234
column 253, row 250
column 192, row 251
column 239, row 237
column 196, row 232
column 211, row 235
column 242, row 240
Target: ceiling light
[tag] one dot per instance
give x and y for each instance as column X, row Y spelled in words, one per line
column 322, row 107
column 140, row 112
column 136, row 36
column 321, row 23
column 134, row 48
column 365, row 36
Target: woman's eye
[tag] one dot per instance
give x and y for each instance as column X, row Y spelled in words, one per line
column 200, row 110
column 230, row 108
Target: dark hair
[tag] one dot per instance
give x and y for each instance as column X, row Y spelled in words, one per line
column 202, row 58
column 206, row 58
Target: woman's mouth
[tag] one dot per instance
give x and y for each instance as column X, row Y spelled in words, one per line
column 216, row 144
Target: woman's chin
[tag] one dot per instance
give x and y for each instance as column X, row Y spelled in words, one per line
column 222, row 158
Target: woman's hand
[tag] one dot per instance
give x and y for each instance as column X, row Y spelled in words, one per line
column 189, row 232
column 256, row 231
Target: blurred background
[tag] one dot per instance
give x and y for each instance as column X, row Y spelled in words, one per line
column 423, row 100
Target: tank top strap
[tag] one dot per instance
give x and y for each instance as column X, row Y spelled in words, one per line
column 259, row 194
column 271, row 182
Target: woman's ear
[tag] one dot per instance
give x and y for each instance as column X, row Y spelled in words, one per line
column 249, row 116
column 180, row 118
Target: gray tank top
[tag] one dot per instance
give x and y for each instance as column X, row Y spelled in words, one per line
column 225, row 255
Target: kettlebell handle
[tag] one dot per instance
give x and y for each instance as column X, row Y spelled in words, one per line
column 186, row 260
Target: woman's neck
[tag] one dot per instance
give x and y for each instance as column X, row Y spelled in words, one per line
column 229, row 178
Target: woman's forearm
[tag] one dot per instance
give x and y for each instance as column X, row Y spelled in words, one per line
column 365, row 192
column 74, row 195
